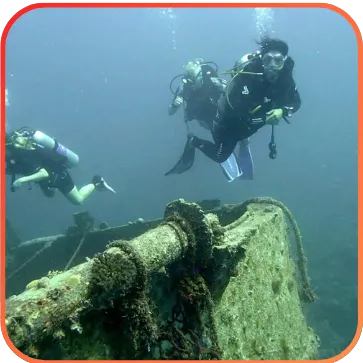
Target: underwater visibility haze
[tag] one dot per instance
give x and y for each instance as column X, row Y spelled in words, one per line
column 97, row 80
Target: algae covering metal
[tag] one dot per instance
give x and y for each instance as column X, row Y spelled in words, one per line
column 259, row 315
column 197, row 286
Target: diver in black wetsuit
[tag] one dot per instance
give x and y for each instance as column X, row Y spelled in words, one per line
column 198, row 92
column 262, row 91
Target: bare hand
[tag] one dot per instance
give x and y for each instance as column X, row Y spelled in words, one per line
column 274, row 116
column 178, row 101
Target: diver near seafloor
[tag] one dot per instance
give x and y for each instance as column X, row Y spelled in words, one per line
column 262, row 91
column 40, row 159
column 198, row 93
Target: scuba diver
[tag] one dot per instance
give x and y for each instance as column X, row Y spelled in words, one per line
column 262, row 91
column 199, row 93
column 40, row 159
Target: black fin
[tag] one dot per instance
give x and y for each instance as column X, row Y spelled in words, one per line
column 186, row 161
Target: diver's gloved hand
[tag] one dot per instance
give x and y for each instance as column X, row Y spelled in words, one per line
column 274, row 116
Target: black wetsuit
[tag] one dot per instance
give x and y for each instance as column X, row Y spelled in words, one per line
column 202, row 103
column 235, row 121
column 27, row 162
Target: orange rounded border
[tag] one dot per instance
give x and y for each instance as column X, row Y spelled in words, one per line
column 176, row 5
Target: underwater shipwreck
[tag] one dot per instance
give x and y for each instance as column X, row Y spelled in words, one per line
column 206, row 281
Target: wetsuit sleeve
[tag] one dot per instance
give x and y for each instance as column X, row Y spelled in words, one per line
column 9, row 168
column 23, row 165
column 177, row 101
column 293, row 101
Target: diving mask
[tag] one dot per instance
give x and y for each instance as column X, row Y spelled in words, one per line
column 273, row 61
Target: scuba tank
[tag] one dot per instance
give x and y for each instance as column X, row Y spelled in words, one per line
column 60, row 152
column 39, row 141
column 241, row 63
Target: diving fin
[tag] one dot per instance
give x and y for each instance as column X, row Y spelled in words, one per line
column 186, row 161
column 231, row 168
